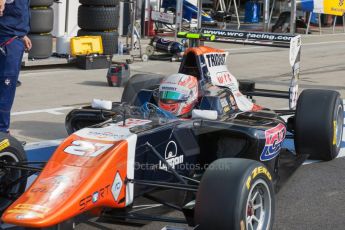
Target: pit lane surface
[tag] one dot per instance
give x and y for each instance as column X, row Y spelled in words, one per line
column 314, row 196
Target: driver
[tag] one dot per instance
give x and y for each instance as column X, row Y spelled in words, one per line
column 178, row 94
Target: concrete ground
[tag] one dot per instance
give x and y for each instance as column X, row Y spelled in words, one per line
column 314, row 196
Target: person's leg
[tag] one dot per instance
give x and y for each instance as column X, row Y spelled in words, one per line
column 9, row 72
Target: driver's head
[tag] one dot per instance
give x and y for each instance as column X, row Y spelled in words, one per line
column 178, row 94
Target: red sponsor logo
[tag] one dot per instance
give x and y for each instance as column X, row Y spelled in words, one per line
column 274, row 139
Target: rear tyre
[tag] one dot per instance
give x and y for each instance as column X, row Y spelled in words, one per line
column 98, row 18
column 11, row 151
column 319, row 123
column 42, row 20
column 139, row 82
column 235, row 194
column 109, row 39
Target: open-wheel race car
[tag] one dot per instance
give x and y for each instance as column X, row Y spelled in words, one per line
column 220, row 163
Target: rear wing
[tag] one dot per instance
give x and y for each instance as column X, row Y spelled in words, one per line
column 293, row 42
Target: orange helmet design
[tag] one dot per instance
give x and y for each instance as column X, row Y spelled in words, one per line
column 178, row 94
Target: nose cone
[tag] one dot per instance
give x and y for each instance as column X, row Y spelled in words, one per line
column 71, row 184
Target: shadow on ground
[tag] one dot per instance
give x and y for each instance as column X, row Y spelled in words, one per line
column 96, row 83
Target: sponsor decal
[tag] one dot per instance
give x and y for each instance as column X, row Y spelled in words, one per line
column 104, row 135
column 295, row 47
column 113, row 132
column 4, row 144
column 28, row 211
column 54, row 187
column 87, row 149
column 25, row 214
column 335, row 132
column 168, row 88
column 110, row 133
column 215, row 59
column 257, row 171
column 218, row 71
column 274, row 139
column 40, row 190
column 94, row 197
column 333, row 7
column 225, row 77
column 293, row 93
column 132, row 122
column 224, row 102
column 242, row 101
column 117, row 186
column 233, row 35
column 171, row 156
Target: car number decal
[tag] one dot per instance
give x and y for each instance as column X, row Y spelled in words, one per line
column 87, row 149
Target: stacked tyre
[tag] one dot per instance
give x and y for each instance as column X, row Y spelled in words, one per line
column 41, row 23
column 100, row 18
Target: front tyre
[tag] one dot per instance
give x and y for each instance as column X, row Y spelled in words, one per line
column 235, row 194
column 11, row 152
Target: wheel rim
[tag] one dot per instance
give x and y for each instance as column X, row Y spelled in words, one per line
column 12, row 173
column 258, row 206
column 339, row 125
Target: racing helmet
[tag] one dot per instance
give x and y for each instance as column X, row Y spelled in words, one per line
column 178, row 94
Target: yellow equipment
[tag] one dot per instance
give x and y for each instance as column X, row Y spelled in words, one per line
column 86, row 45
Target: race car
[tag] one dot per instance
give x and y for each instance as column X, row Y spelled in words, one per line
column 220, row 165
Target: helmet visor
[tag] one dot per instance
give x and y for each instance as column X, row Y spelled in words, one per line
column 172, row 96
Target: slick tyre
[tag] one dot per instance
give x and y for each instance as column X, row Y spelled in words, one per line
column 42, row 20
column 35, row 3
column 139, row 82
column 109, row 39
column 100, row 2
column 98, row 18
column 319, row 123
column 42, row 46
column 11, row 151
column 235, row 194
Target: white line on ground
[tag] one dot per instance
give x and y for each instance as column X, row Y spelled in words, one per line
column 54, row 111
column 42, row 144
column 321, row 43
column 327, row 35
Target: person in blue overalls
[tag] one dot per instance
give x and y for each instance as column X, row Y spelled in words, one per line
column 14, row 26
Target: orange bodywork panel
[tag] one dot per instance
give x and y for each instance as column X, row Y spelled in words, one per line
column 71, row 184
column 202, row 50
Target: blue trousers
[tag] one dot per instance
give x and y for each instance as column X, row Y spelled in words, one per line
column 9, row 71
